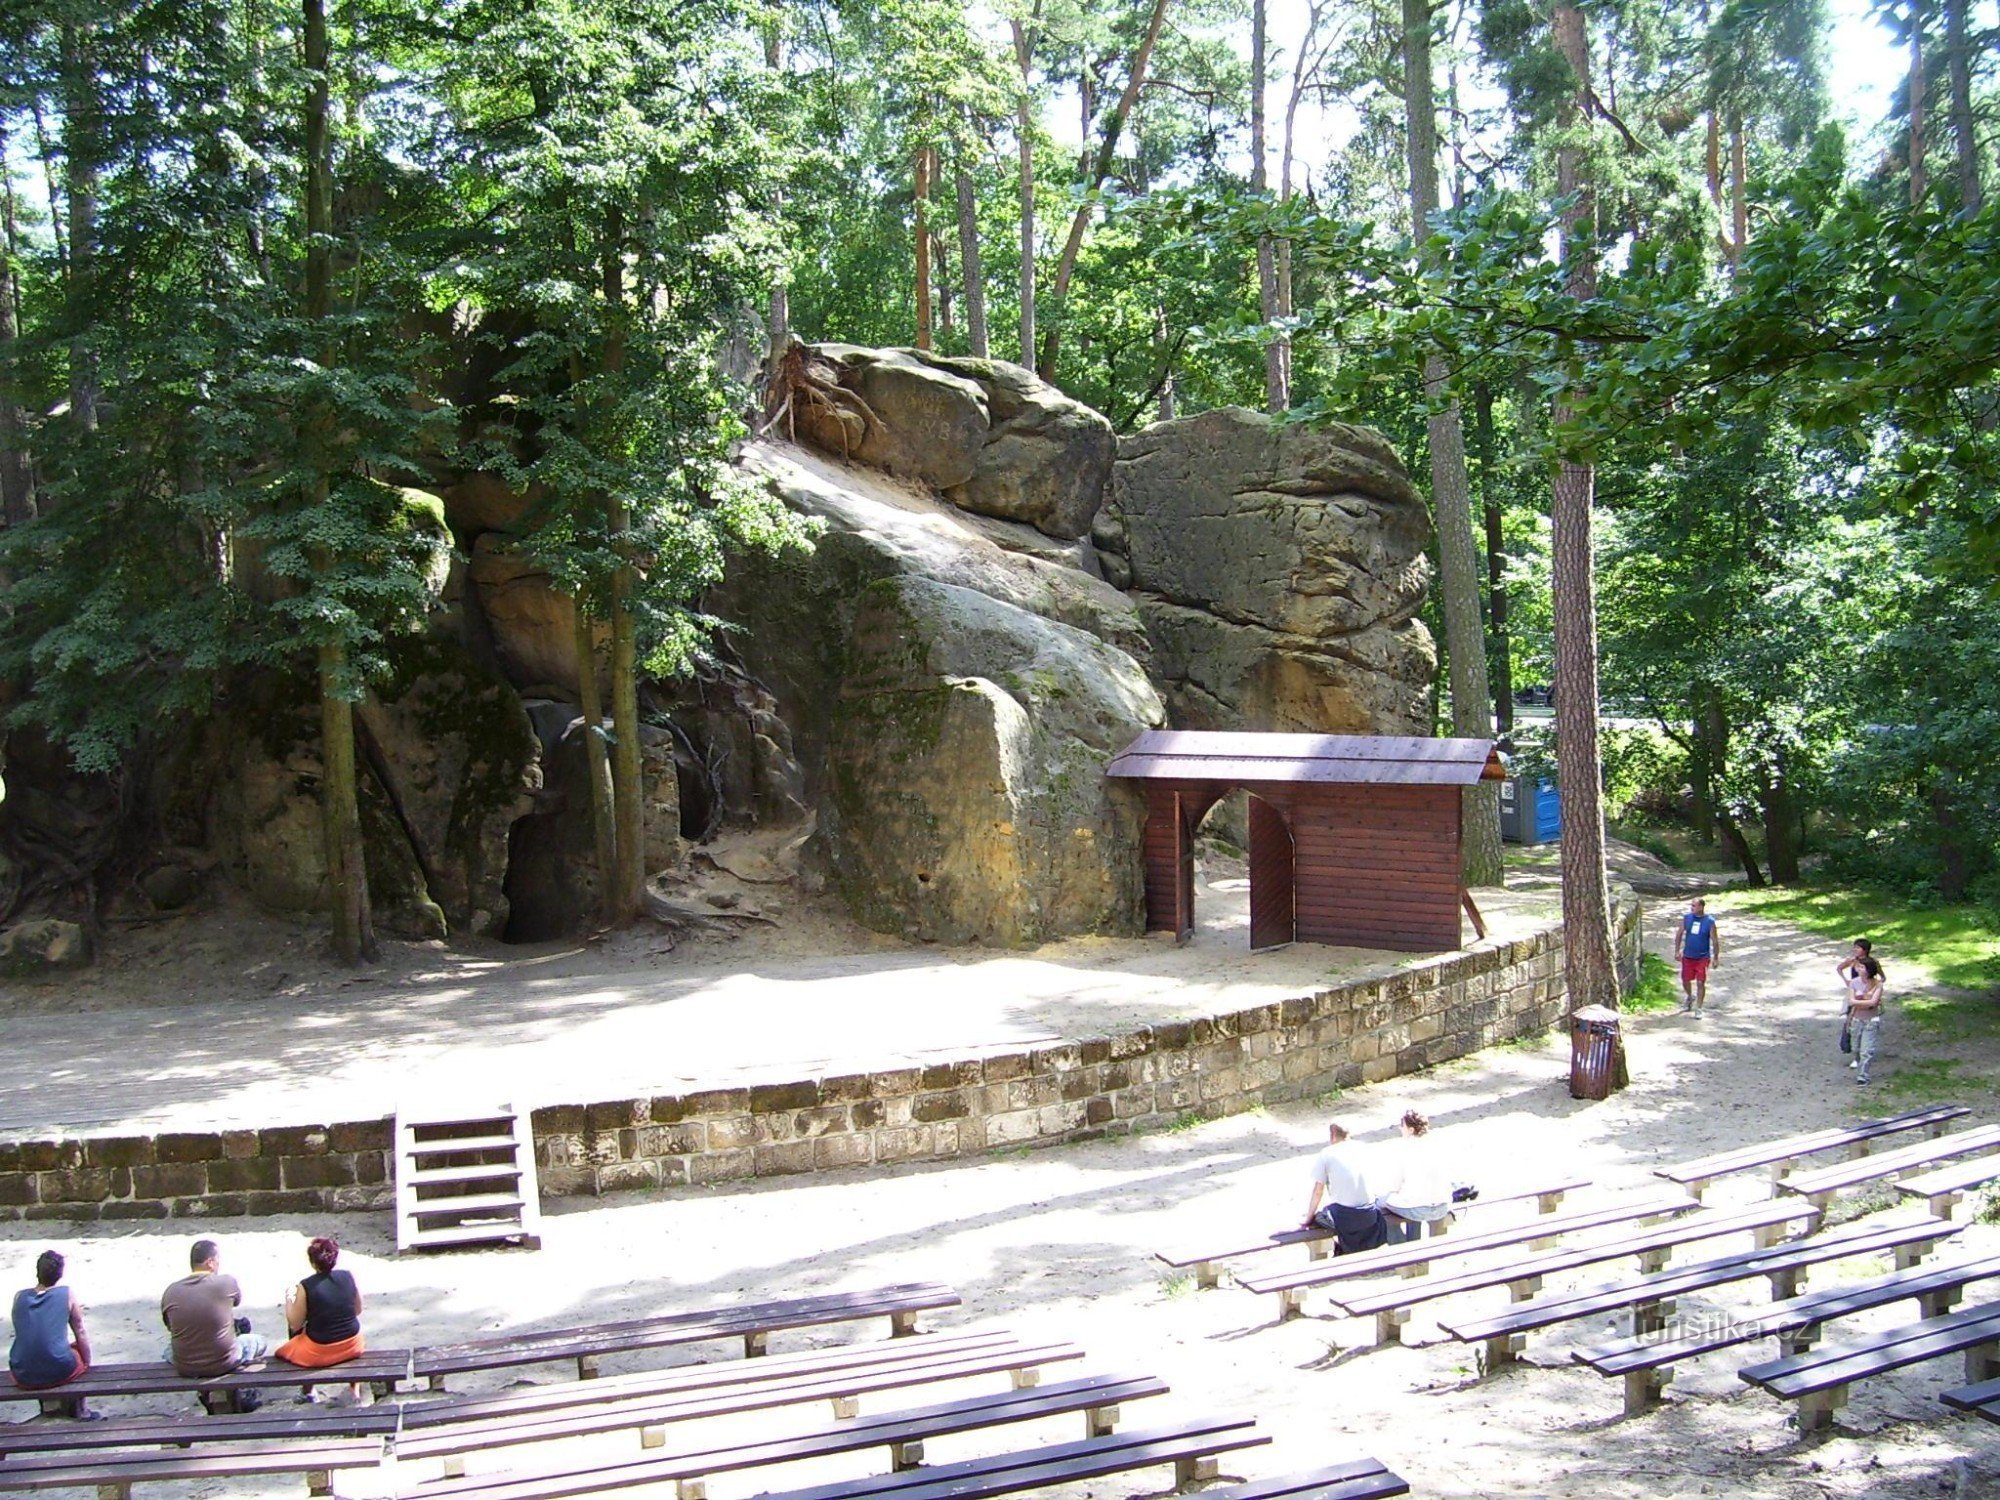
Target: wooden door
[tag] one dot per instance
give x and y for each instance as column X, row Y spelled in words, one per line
column 1272, row 910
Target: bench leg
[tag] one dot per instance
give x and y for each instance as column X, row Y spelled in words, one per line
column 1411, row 1273
column 1937, row 1304
column 1765, row 1236
column 845, row 1407
column 1189, row 1472
column 1207, row 1275
column 1910, row 1256
column 1653, row 1260
column 1389, row 1325
column 436, row 1382
column 1785, row 1284
column 1982, row 1362
column 1942, row 1204
column 1793, row 1341
column 1816, row 1411
column 1100, row 1421
column 1291, row 1304
column 586, row 1367
column 654, row 1436
column 755, row 1344
column 1522, row 1290
column 319, row 1481
column 1026, row 1378
column 1499, row 1351
column 454, row 1466
column 1548, row 1203
column 1644, row 1388
column 902, row 1324
column 1650, row 1317
column 1317, row 1249
column 908, row 1455
column 1699, row 1187
column 691, row 1489
column 114, row 1492
column 1437, row 1227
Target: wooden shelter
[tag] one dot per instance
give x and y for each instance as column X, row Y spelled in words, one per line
column 1354, row 839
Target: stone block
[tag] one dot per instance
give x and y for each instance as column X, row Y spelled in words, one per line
column 1130, row 1044
column 722, row 1166
column 1349, row 1075
column 211, row 1206
column 853, row 1149
column 1220, row 1085
column 847, row 1088
column 1364, row 1048
column 1261, row 1072
column 1098, row 1111
column 1078, row 1083
column 949, row 1105
column 371, row 1168
column 1295, row 1012
column 1002, row 1067
column 1378, row 1070
column 50, row 1156
column 1031, row 1093
column 784, row 1158
column 1057, row 1057
column 316, row 1171
column 125, row 1151
column 299, row 1201
column 17, row 1188
column 868, row 1114
column 1130, row 1104
column 896, row 1081
column 628, row 1177
column 1056, row 1120
column 731, row 1133
column 293, row 1140
column 674, row 1171
column 362, row 1135
column 78, row 1213
column 360, row 1199
column 243, row 1175
column 145, row 1208
column 904, row 1143
column 667, row 1109
column 83, row 1184
column 1013, row 1128
column 963, row 1073
column 710, row 1102
column 174, row 1180
column 557, row 1119
column 1172, row 1094
column 671, row 1140
column 1413, row 1058
column 616, row 1114
column 561, row 1151
column 568, row 1182
column 1172, row 1036
column 958, row 1137
column 1095, row 1049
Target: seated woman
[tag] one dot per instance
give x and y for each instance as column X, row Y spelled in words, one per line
column 1424, row 1194
column 322, row 1313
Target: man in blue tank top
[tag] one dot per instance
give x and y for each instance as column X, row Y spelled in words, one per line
column 50, row 1346
column 1698, row 947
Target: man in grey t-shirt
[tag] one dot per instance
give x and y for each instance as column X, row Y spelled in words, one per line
column 200, row 1313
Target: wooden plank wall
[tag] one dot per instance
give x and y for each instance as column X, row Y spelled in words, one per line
column 1163, row 847
column 1377, row 866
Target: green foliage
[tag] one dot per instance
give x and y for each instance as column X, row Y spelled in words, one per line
column 1657, row 990
column 1956, row 945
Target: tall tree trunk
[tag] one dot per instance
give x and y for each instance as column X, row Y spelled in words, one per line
column 1451, row 489
column 1500, row 648
column 1587, row 950
column 340, row 807
column 82, row 151
column 1707, row 746
column 972, row 270
column 597, row 764
column 1107, row 152
column 923, row 193
column 1964, row 128
column 1954, row 868
column 628, row 892
column 1739, row 200
column 17, row 466
column 1277, row 374
column 1024, row 126
column 1918, row 113
column 1740, row 847
column 778, row 316
column 1781, row 824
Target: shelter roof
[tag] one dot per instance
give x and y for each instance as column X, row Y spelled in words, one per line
column 1240, row 757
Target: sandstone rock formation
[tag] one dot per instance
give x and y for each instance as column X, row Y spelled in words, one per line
column 1278, row 570
column 43, row 946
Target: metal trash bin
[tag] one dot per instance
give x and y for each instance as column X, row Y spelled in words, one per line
column 1596, row 1053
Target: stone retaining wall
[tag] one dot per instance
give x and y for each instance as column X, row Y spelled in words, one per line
column 1362, row 1032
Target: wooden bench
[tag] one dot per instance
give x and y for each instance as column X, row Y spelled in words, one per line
column 1982, row 1400
column 1942, row 1189
column 381, row 1420
column 1820, row 1186
column 379, row 1368
column 1817, row 1380
column 903, row 1433
column 1643, row 1360
column 114, row 1474
column 1192, row 1448
column 647, row 1403
column 1649, row 1295
column 754, row 1323
column 1207, row 1261
column 1357, row 1479
column 1416, row 1258
column 1781, row 1156
column 1390, row 1305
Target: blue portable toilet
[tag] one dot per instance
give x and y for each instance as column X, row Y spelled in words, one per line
column 1530, row 812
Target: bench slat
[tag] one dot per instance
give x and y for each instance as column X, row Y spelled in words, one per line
column 1892, row 1349
column 888, row 1428
column 678, row 1328
column 1423, row 1252
column 146, row 1378
column 1955, row 1178
column 1643, row 1352
column 1700, row 1226
column 52, row 1437
column 1887, row 1163
column 1973, row 1397
column 50, row 1471
column 1769, row 1153
column 1696, row 1276
column 1357, row 1479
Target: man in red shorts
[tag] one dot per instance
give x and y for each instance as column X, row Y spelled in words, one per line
column 1698, row 946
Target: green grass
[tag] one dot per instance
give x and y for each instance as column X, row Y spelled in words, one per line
column 1657, row 990
column 1931, row 1080
column 1958, row 945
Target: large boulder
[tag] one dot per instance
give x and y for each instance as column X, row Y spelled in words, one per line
column 532, row 624
column 46, row 945
column 968, row 799
column 992, row 437
column 1278, row 569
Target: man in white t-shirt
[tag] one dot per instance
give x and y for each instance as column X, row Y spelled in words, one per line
column 1342, row 1201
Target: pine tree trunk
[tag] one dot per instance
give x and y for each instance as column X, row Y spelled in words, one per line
column 1500, row 649
column 340, row 817
column 973, row 271
column 628, row 806
column 1918, row 113
column 1107, row 152
column 1705, row 750
column 1964, row 126
column 17, row 467
column 1024, row 125
column 778, row 316
column 1588, row 968
column 81, row 150
column 923, row 193
column 1739, row 190
column 1277, row 374
column 597, row 764
column 1451, row 489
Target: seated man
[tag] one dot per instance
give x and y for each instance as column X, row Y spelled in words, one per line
column 50, row 1347
column 200, row 1313
column 1350, row 1212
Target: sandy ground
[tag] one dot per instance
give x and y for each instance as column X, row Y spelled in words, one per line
column 1057, row 1243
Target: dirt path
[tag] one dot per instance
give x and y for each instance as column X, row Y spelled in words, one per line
column 1058, row 1243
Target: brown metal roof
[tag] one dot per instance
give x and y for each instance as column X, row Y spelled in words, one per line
column 1212, row 755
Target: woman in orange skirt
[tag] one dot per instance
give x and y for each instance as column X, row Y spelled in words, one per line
column 323, row 1313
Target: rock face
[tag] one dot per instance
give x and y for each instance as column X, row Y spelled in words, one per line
column 953, row 703
column 1278, row 570
column 968, row 801
column 43, row 946
column 533, row 625
column 991, row 437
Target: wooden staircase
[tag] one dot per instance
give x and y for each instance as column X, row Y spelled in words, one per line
column 466, row 1177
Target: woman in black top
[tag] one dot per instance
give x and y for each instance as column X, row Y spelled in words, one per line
column 323, row 1312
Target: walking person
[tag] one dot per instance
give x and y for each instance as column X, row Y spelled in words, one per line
column 1864, row 1004
column 1698, row 948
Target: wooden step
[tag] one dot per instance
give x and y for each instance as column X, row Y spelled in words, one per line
column 442, row 1202
column 463, row 1234
column 474, row 1172
column 465, row 1143
column 466, row 1203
